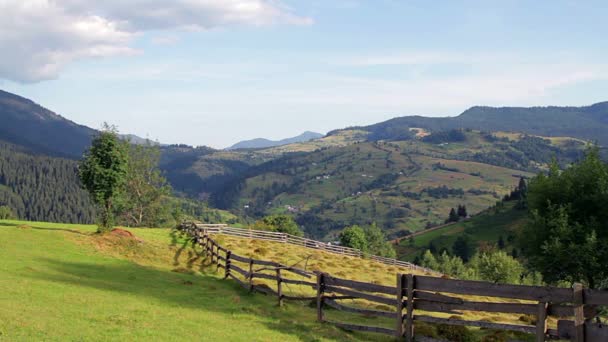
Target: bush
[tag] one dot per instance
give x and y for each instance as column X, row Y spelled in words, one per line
column 455, row 333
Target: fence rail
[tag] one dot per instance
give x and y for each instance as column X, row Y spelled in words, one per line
column 303, row 242
column 419, row 297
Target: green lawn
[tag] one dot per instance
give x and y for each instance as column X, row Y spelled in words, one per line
column 62, row 283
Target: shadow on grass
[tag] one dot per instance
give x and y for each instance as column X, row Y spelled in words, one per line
column 205, row 293
column 30, row 226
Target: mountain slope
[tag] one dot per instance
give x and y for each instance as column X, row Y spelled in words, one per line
column 265, row 143
column 588, row 122
column 28, row 124
column 402, row 185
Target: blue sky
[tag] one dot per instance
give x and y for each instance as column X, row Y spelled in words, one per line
column 208, row 72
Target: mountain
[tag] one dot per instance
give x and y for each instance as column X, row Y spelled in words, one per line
column 265, row 143
column 30, row 125
column 402, row 186
column 588, row 122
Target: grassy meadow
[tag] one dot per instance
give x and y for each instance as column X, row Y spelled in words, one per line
column 64, row 283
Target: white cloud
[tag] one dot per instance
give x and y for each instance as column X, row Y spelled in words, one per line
column 38, row 38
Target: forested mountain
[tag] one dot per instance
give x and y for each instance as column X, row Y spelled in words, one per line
column 27, row 124
column 42, row 188
column 589, row 122
column 264, row 143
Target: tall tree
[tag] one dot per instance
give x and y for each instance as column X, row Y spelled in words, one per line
column 103, row 172
column 143, row 199
column 377, row 243
column 567, row 238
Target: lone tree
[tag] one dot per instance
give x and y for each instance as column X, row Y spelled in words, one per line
column 143, row 199
column 567, row 237
column 354, row 237
column 103, row 172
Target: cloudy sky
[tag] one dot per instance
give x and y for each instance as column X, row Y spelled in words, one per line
column 212, row 72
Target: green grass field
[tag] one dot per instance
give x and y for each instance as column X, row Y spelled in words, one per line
column 487, row 227
column 63, row 283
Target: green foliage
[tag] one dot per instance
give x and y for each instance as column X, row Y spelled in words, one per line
column 493, row 266
column 497, row 267
column 279, row 223
column 39, row 188
column 354, row 237
column 455, row 332
column 103, row 172
column 143, row 200
column 377, row 243
column 464, row 247
column 6, row 213
column 567, row 237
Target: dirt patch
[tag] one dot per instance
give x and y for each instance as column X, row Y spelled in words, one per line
column 125, row 234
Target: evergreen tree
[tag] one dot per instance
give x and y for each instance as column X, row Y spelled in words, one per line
column 453, row 216
column 462, row 211
column 463, row 247
column 103, row 172
column 501, row 243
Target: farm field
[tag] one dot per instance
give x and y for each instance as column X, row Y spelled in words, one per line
column 61, row 283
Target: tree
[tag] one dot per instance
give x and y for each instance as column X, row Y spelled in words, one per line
column 464, row 247
column 6, row 213
column 462, row 211
column 497, row 267
column 567, row 237
column 354, row 237
column 453, row 217
column 279, row 223
column 103, row 172
column 377, row 243
column 143, row 199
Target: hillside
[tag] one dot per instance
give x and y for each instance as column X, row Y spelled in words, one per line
column 75, row 285
column 28, row 124
column 588, row 122
column 486, row 228
column 38, row 187
column 403, row 186
column 265, row 143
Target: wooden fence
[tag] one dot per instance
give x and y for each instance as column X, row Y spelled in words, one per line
column 303, row 242
column 417, row 298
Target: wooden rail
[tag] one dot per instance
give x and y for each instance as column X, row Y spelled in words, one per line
column 413, row 294
column 303, row 242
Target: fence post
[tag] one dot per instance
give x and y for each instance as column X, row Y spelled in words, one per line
column 227, row 264
column 250, row 275
column 409, row 321
column 541, row 322
column 320, row 291
column 399, row 327
column 279, row 287
column 579, row 316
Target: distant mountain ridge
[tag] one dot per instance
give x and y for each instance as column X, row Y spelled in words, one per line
column 27, row 124
column 587, row 122
column 265, row 143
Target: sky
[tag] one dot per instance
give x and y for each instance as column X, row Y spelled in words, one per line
column 213, row 72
